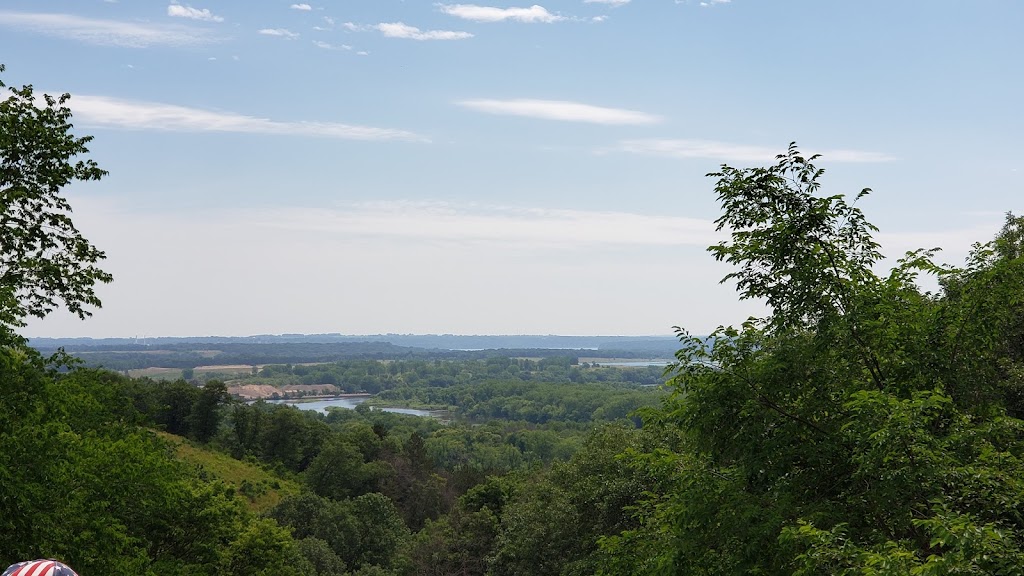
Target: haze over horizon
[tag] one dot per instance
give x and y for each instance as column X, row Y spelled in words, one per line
column 378, row 166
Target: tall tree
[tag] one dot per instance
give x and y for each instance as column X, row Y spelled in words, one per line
column 205, row 417
column 44, row 260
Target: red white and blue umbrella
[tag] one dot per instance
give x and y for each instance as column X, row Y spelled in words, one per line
column 39, row 568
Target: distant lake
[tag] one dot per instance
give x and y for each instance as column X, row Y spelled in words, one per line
column 322, row 404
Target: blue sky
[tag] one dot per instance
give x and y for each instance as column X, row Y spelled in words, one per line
column 375, row 166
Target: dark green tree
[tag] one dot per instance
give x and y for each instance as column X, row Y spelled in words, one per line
column 175, row 401
column 205, row 415
column 44, row 260
column 363, row 531
column 339, row 471
column 320, row 556
column 553, row 522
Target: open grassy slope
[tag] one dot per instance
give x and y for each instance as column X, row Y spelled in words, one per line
column 260, row 488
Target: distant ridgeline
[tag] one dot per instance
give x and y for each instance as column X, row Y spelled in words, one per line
column 190, row 352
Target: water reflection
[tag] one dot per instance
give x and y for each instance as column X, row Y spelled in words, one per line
column 350, row 402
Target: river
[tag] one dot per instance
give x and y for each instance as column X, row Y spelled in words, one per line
column 349, row 402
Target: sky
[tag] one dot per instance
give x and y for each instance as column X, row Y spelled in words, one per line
column 388, row 166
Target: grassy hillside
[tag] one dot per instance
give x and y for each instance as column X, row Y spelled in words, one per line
column 261, row 489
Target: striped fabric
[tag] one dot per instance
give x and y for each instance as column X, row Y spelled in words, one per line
column 39, row 568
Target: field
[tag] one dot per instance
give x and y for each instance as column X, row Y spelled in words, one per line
column 221, row 371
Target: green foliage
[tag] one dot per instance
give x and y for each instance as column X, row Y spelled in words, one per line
column 415, row 379
column 456, row 544
column 81, row 480
column 339, row 471
column 320, row 556
column 362, row 531
column 552, row 522
column 204, row 417
column 802, row 253
column 290, row 438
column 44, row 259
column 264, row 549
column 864, row 427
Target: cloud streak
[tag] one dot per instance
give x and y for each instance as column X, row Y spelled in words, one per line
column 279, row 32
column 329, row 46
column 107, row 112
column 105, row 32
column 402, row 30
column 179, row 11
column 533, row 14
column 561, row 110
column 714, row 150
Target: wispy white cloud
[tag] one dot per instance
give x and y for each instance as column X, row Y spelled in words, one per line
column 561, row 110
column 713, row 150
column 402, row 30
column 608, row 2
column 280, row 32
column 709, row 3
column 107, row 112
column 105, row 32
column 329, row 46
column 442, row 221
column 186, row 11
column 303, row 7
column 535, row 13
column 330, row 24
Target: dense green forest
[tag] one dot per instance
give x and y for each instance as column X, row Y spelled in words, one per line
column 537, row 390
column 864, row 426
column 370, row 480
